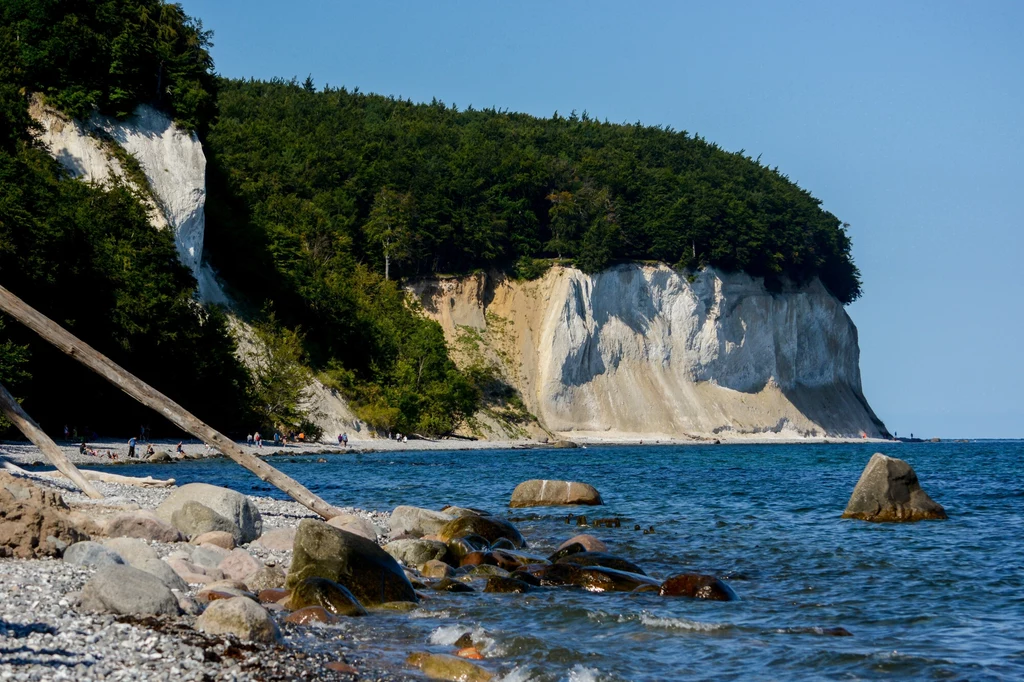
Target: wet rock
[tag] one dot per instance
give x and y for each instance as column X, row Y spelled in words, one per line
column 545, row 493
column 523, row 575
column 460, row 547
column 478, row 559
column 127, row 590
column 470, row 652
column 502, row 543
column 697, row 586
column 601, row 559
column 132, row 550
column 602, row 579
column 443, row 667
column 217, row 538
column 33, row 521
column 143, row 525
column 486, row 571
column 240, row 617
column 278, row 540
column 436, row 569
column 566, row 550
column 228, row 503
column 416, row 552
column 589, row 543
column 163, row 571
column 327, row 594
column 459, row 512
column 267, row 577
column 370, row 573
column 354, row 524
column 498, row 584
column 239, row 564
column 511, row 560
column 416, row 521
column 209, row 594
column 194, row 519
column 449, row 585
column 490, row 528
column 888, row 491
column 88, row 553
column 272, row 595
column 311, row 614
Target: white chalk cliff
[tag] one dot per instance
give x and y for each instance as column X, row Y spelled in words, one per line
column 645, row 351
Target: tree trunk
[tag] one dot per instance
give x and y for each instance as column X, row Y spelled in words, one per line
column 12, row 410
column 387, row 266
column 149, row 396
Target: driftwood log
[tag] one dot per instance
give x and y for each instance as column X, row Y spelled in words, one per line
column 13, row 411
column 149, row 396
column 141, row 482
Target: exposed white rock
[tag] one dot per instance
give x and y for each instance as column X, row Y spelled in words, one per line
column 171, row 157
column 641, row 350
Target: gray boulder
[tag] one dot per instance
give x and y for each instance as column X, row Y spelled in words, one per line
column 162, row 570
column 127, row 590
column 241, row 617
column 543, row 493
column 416, row 552
column 209, row 557
column 142, row 524
column 132, row 550
column 417, row 521
column 88, row 553
column 888, row 490
column 265, row 578
column 194, row 518
column 228, row 503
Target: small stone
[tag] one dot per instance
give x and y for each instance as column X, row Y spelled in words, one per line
column 132, row 550
column 311, row 614
column 453, row 668
column 241, row 617
column 589, row 543
column 501, row 585
column 239, row 564
column 436, row 569
column 209, row 556
column 272, row 595
column 277, row 540
column 697, row 586
column 414, row 552
column 354, row 524
column 339, row 667
column 265, row 578
column 470, row 652
column 162, row 570
column 144, row 525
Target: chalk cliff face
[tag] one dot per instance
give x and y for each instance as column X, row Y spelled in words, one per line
column 642, row 350
column 171, row 158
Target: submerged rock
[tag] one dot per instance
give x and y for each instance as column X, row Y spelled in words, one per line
column 888, row 490
column 545, row 493
column 601, row 559
column 443, row 667
column 489, row 528
column 228, row 503
column 241, row 617
column 311, row 614
column 589, row 542
column 371, row 574
column 502, row 585
column 127, row 590
column 697, row 586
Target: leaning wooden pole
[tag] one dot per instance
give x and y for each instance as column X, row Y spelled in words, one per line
column 13, row 411
column 149, row 396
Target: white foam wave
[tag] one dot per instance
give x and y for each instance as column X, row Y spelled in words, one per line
column 581, row 673
column 516, row 674
column 653, row 621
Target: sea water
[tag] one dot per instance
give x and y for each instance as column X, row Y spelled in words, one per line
column 928, row 600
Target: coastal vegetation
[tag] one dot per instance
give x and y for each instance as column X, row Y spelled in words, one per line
column 321, row 204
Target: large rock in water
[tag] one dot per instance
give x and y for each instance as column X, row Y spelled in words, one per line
column 888, row 491
column 33, row 521
column 371, row 574
column 490, row 528
column 543, row 493
column 228, row 503
column 127, row 590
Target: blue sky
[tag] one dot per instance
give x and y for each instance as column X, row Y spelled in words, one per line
column 904, row 118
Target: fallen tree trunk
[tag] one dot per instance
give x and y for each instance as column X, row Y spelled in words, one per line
column 149, row 396
column 142, row 482
column 13, row 411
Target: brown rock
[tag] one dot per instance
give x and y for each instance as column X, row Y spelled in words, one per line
column 217, row 538
column 339, row 667
column 500, row 585
column 241, row 617
column 697, row 586
column 478, row 558
column 470, row 652
column 354, row 524
column 33, row 521
column 589, row 542
column 266, row 577
column 453, row 668
column 601, row 559
column 436, row 569
column 490, row 528
column 543, row 493
column 311, row 614
column 144, row 525
column 207, row 595
column 326, row 593
column 273, row 594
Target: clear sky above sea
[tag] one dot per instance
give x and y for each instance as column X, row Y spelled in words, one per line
column 905, row 118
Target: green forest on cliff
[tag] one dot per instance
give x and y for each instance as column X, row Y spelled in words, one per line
column 321, row 202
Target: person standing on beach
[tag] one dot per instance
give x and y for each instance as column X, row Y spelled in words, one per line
column 259, row 440
column 131, row 447
column 248, row 439
column 344, row 439
column 67, row 432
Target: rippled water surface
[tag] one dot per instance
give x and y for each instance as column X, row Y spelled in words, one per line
column 931, row 600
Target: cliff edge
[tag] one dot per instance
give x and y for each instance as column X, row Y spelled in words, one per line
column 646, row 351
